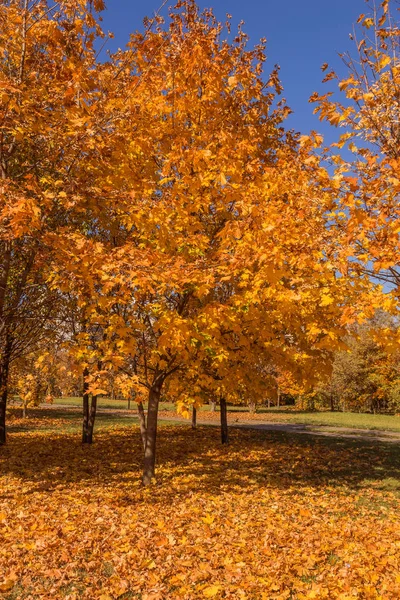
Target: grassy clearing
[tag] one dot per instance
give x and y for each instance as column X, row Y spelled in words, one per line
column 275, row 415
column 53, row 420
column 338, row 419
column 272, row 516
column 108, row 403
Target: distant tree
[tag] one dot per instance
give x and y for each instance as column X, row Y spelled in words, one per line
column 366, row 376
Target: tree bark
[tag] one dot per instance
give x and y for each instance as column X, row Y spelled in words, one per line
column 212, row 404
column 89, row 417
column 3, row 406
column 194, row 417
column 224, row 422
column 142, row 423
column 151, row 435
column 278, row 397
column 89, row 412
column 4, row 371
column 85, row 404
column 92, row 418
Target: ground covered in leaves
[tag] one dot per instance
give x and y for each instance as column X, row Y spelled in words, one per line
column 270, row 516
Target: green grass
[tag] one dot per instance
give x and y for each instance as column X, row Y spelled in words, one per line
column 108, row 403
column 279, row 415
column 339, row 419
column 62, row 420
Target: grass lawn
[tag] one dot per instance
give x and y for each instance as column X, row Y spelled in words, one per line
column 336, row 419
column 108, row 403
column 282, row 415
column 271, row 516
column 52, row 420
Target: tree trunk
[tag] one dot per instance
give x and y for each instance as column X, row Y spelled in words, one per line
column 89, row 412
column 332, row 403
column 129, row 403
column 194, row 417
column 91, row 420
column 151, row 435
column 269, row 403
column 3, row 406
column 212, row 404
column 85, row 405
column 142, row 423
column 4, row 371
column 24, row 409
column 224, row 422
column 278, row 397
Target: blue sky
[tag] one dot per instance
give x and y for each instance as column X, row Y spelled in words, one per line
column 301, row 36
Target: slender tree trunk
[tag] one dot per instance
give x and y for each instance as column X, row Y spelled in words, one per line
column 4, row 371
column 3, row 406
column 213, row 405
column 151, row 435
column 332, row 403
column 129, row 403
column 269, row 403
column 91, row 420
column 278, row 394
column 194, row 417
column 142, row 423
column 252, row 408
column 90, row 410
column 224, row 422
column 85, row 402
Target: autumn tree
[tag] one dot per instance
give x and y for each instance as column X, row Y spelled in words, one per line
column 220, row 236
column 187, row 225
column 34, row 378
column 50, row 87
column 365, row 375
column 368, row 173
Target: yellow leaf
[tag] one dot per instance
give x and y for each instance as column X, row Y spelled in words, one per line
column 326, row 300
column 7, row 585
column 183, row 410
column 166, row 180
column 211, row 591
column 208, row 519
column 383, row 62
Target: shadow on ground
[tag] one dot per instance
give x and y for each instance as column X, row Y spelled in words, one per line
column 195, row 460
